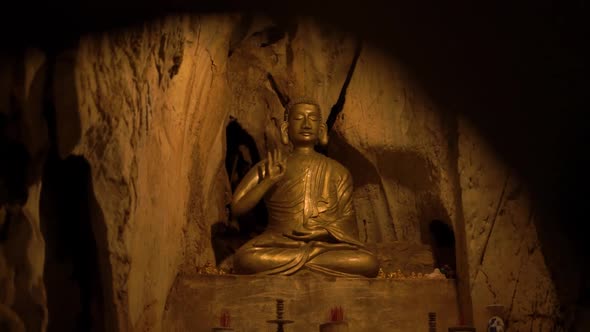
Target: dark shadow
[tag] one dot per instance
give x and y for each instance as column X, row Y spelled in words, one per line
column 14, row 165
column 339, row 105
column 272, row 35
column 362, row 170
column 363, row 173
column 241, row 152
column 77, row 275
column 64, row 123
column 108, row 306
column 240, row 32
column 226, row 240
column 429, row 207
column 283, row 98
column 241, row 155
column 72, row 275
column 408, row 168
column 15, row 159
column 72, row 270
column 443, row 244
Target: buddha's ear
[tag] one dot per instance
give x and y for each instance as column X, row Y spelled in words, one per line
column 323, row 135
column 285, row 133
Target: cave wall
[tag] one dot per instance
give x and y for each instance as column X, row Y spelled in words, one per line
column 506, row 263
column 149, row 104
column 393, row 126
column 23, row 144
column 147, row 109
column 408, row 174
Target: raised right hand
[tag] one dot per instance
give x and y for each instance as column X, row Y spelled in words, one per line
column 274, row 167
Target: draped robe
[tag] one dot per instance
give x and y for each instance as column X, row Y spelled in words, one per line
column 316, row 196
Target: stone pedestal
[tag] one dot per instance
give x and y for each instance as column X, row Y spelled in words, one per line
column 376, row 305
column 334, row 327
column 404, row 256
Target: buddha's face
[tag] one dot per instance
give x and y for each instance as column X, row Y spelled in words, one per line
column 304, row 124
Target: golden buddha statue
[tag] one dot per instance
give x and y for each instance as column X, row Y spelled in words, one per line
column 312, row 222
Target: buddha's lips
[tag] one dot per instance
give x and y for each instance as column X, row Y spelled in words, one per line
column 306, row 133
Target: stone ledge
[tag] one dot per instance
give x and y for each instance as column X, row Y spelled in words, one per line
column 375, row 305
column 404, row 256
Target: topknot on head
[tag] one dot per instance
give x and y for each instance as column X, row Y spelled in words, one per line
column 297, row 101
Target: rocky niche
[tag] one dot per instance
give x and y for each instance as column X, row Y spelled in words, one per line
column 155, row 124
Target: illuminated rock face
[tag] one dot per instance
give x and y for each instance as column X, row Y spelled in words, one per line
column 149, row 106
column 147, row 109
column 506, row 263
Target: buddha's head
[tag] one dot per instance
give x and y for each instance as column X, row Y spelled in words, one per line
column 303, row 125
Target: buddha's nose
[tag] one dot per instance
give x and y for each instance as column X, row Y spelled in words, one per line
column 306, row 124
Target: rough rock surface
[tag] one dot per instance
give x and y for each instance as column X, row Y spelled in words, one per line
column 506, row 263
column 149, row 105
column 23, row 143
column 369, row 305
column 407, row 145
column 394, row 143
column 274, row 62
column 403, row 256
